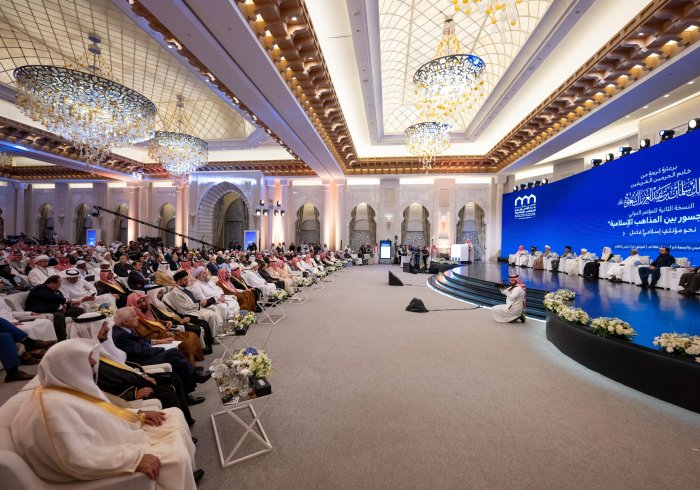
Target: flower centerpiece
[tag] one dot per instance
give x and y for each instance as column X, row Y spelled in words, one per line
column 679, row 343
column 557, row 300
column 240, row 322
column 306, row 281
column 574, row 315
column 277, row 295
column 320, row 274
column 257, row 361
column 106, row 309
column 612, row 327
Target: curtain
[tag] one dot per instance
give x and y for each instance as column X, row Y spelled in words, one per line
column 81, row 214
column 426, row 227
column 372, row 225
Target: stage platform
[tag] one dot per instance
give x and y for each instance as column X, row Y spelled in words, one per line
column 650, row 312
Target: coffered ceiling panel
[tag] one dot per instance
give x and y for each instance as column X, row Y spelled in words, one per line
column 55, row 32
column 409, row 34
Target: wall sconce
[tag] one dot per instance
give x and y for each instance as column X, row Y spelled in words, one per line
column 269, row 208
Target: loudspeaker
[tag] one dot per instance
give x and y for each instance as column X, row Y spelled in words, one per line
column 393, row 280
column 416, row 306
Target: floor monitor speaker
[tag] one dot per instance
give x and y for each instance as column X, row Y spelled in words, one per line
column 393, row 280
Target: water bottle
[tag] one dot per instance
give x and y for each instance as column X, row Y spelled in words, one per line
column 245, row 385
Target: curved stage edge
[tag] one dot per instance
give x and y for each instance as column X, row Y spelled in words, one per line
column 457, row 283
column 667, row 377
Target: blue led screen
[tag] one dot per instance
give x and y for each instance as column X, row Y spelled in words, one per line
column 645, row 200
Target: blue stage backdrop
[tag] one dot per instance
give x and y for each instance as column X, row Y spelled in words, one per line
column 645, row 200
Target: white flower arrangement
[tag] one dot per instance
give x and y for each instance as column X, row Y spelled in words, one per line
column 257, row 361
column 277, row 295
column 679, row 343
column 574, row 315
column 612, row 327
column 320, row 274
column 306, row 281
column 557, row 300
column 240, row 321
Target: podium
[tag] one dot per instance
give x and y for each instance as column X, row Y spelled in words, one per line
column 459, row 252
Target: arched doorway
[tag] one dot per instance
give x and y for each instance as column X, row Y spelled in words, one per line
column 308, row 225
column 230, row 220
column 415, row 227
column 45, row 222
column 121, row 225
column 363, row 226
column 471, row 226
column 211, row 218
column 82, row 221
column 166, row 219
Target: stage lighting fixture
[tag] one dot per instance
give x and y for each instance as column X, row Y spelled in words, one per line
column 596, row 161
column 538, row 183
column 666, row 134
column 545, row 181
column 530, row 185
column 265, row 213
column 262, row 203
column 523, row 186
column 515, row 188
column 625, row 150
column 693, row 124
column 282, row 213
column 257, row 212
column 276, row 213
column 645, row 143
column 609, row 157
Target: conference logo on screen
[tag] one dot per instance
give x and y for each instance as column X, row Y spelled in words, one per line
column 526, row 207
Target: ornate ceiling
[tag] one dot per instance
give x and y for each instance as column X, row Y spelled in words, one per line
column 659, row 33
column 409, row 34
column 55, row 32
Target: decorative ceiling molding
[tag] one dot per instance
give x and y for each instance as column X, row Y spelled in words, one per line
column 50, row 173
column 284, row 29
column 668, row 27
column 155, row 25
column 410, row 165
column 31, row 138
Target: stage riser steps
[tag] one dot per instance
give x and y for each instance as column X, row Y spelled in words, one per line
column 484, row 292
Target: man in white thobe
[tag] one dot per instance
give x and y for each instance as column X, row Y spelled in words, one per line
column 181, row 299
column 41, row 272
column 35, row 325
column 204, row 289
column 78, row 290
column 615, row 271
column 254, row 280
column 514, row 309
column 68, row 431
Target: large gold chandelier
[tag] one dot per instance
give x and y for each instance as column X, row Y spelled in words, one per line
column 179, row 153
column 426, row 140
column 84, row 105
column 448, row 84
column 499, row 13
column 5, row 160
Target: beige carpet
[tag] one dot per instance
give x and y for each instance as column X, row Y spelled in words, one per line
column 367, row 395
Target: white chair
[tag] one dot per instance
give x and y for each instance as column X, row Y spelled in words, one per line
column 531, row 261
column 675, row 278
column 631, row 273
column 605, row 268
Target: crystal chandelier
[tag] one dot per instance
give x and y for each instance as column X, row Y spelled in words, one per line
column 448, row 84
column 498, row 13
column 84, row 105
column 179, row 153
column 426, row 140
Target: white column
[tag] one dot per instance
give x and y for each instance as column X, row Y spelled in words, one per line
column 493, row 222
column 181, row 212
column 269, row 219
column 287, row 233
column 327, row 212
column 341, row 222
column 133, row 205
column 20, row 224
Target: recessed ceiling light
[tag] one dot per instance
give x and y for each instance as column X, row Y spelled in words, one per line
column 667, row 95
column 645, row 107
column 294, row 18
column 691, row 82
column 641, row 33
column 628, row 115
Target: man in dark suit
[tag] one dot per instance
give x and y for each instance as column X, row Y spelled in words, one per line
column 665, row 259
column 136, row 279
column 141, row 351
column 129, row 384
column 122, row 268
column 47, row 298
